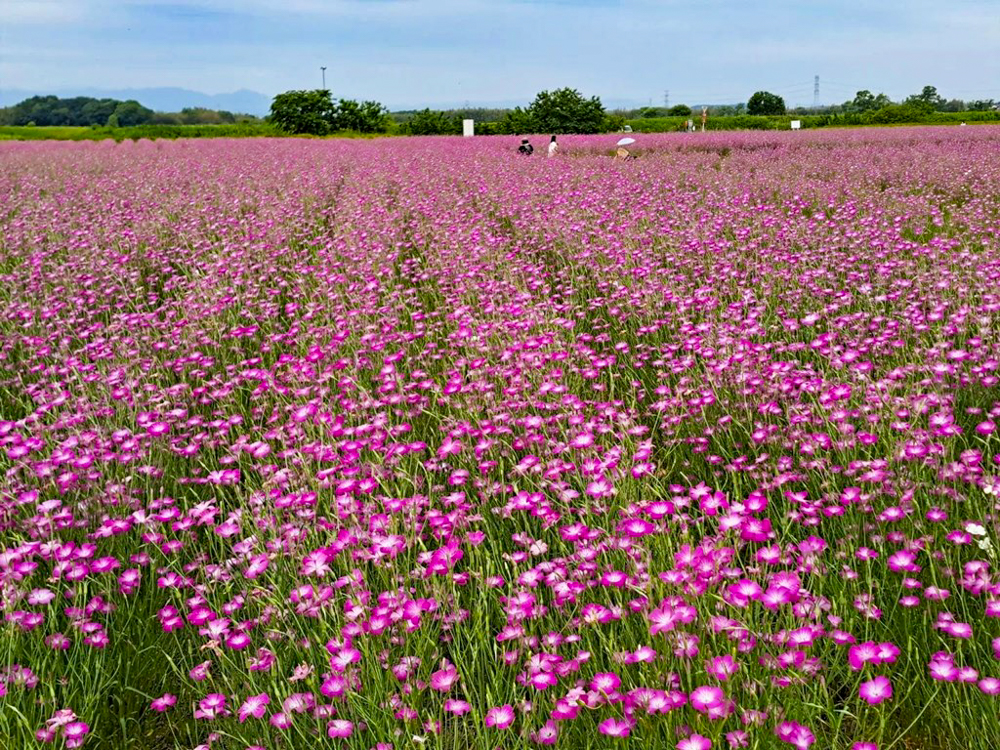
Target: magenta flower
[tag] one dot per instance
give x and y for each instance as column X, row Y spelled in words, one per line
column 340, row 661
column 500, row 717
column 547, row 734
column 339, row 729
column 722, row 667
column 875, row 691
column 990, row 685
column 605, row 682
column 457, row 707
column 795, row 734
column 614, row 728
column 706, row 698
column 695, row 742
column 164, row 702
column 74, row 732
column 636, row 527
column 254, row 706
column 444, row 679
column 334, row 686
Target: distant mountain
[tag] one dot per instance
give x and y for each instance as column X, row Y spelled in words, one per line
column 158, row 99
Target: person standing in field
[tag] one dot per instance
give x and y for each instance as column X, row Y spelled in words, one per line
column 553, row 147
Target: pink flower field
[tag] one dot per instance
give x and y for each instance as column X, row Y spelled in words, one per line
column 416, row 443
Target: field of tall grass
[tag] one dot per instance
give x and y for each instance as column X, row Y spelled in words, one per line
column 417, row 443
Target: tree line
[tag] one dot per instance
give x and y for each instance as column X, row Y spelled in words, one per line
column 864, row 102
column 316, row 112
column 563, row 110
column 85, row 111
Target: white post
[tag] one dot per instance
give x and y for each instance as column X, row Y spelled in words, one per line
column 468, row 128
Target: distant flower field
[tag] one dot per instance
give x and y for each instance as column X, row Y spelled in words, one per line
column 422, row 444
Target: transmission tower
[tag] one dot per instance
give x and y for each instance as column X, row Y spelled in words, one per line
column 666, row 99
column 816, row 92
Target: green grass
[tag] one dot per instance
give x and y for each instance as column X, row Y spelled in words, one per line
column 237, row 130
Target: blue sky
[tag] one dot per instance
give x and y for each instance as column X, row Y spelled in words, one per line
column 442, row 52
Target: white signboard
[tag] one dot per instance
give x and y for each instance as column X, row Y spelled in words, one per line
column 468, row 128
column 796, row 124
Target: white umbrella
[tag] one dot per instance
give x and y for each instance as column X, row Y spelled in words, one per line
column 626, row 141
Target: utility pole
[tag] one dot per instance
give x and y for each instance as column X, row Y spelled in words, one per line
column 323, row 68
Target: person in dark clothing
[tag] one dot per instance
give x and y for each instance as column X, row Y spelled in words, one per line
column 525, row 149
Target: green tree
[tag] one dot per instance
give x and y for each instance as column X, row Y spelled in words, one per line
column 97, row 111
column 897, row 113
column 429, row 122
column 679, row 110
column 981, row 105
column 928, row 98
column 864, row 101
column 363, row 117
column 566, row 111
column 304, row 112
column 765, row 103
column 129, row 113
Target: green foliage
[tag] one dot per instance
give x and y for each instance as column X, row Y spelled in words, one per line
column 430, row 122
column 980, row 105
column 765, row 103
column 304, row 112
column 148, row 131
column 613, row 123
column 316, row 113
column 363, row 117
column 516, row 122
column 866, row 101
column 928, row 98
column 894, row 114
column 731, row 122
column 679, row 110
column 47, row 111
column 479, row 114
column 899, row 113
column 726, row 110
column 566, row 111
column 130, row 113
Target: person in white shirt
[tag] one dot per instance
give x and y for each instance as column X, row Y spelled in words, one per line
column 553, row 147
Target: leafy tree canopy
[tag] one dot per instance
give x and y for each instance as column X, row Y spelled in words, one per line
column 304, row 112
column 316, row 113
column 866, row 101
column 765, row 103
column 429, row 122
column 928, row 98
column 566, row 111
column 363, row 117
column 77, row 110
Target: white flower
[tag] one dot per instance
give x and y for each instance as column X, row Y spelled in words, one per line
column 975, row 529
